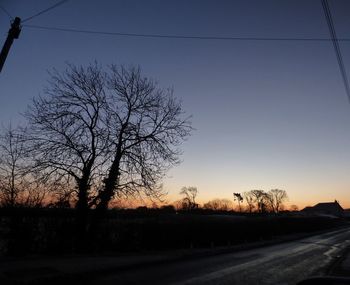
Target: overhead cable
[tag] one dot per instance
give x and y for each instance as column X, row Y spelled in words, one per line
column 6, row 12
column 45, row 10
column 169, row 36
column 336, row 46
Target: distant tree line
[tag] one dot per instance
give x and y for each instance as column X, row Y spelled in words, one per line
column 261, row 201
column 253, row 201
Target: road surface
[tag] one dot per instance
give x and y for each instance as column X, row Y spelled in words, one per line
column 285, row 263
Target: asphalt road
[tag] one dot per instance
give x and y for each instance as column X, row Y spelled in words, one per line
column 285, row 263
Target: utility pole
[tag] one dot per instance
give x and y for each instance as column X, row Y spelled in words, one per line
column 14, row 32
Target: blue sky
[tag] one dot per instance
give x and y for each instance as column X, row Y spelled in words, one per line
column 267, row 114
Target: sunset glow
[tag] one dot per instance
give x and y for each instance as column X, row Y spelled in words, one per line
column 267, row 114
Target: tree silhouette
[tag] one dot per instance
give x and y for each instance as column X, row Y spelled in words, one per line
column 275, row 198
column 113, row 132
column 294, row 208
column 12, row 170
column 249, row 198
column 146, row 126
column 189, row 199
column 218, row 205
column 260, row 199
column 238, row 197
column 66, row 134
column 19, row 184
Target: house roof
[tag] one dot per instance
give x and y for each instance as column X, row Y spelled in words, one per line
column 326, row 207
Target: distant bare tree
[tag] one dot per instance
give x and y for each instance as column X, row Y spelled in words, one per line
column 189, row 199
column 218, row 205
column 19, row 185
column 249, row 198
column 178, row 204
column 260, row 199
column 12, row 170
column 294, row 208
column 214, row 205
column 275, row 198
column 35, row 193
column 238, row 197
column 226, row 205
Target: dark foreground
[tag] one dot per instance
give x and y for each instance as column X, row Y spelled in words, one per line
column 28, row 232
column 285, row 263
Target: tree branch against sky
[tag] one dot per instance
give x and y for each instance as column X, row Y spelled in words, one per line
column 12, row 169
column 146, row 127
column 115, row 132
column 66, row 133
column 276, row 198
column 20, row 185
column 189, row 198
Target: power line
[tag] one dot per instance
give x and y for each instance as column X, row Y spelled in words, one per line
column 6, row 12
column 336, row 46
column 45, row 10
column 167, row 36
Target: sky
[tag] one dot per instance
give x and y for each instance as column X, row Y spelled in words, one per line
column 267, row 114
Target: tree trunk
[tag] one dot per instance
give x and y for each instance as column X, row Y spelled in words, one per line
column 110, row 182
column 82, row 209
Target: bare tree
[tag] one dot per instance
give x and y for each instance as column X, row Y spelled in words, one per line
column 178, row 204
column 260, row 199
column 114, row 133
column 189, row 199
column 294, row 208
column 214, row 205
column 218, row 205
column 19, row 185
column 12, row 170
column 275, row 199
column 35, row 193
column 146, row 125
column 66, row 131
column 249, row 198
column 238, row 197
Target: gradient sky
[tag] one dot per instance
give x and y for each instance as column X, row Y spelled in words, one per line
column 267, row 114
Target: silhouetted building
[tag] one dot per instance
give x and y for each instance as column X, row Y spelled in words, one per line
column 329, row 208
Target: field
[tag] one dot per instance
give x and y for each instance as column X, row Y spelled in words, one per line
column 52, row 231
